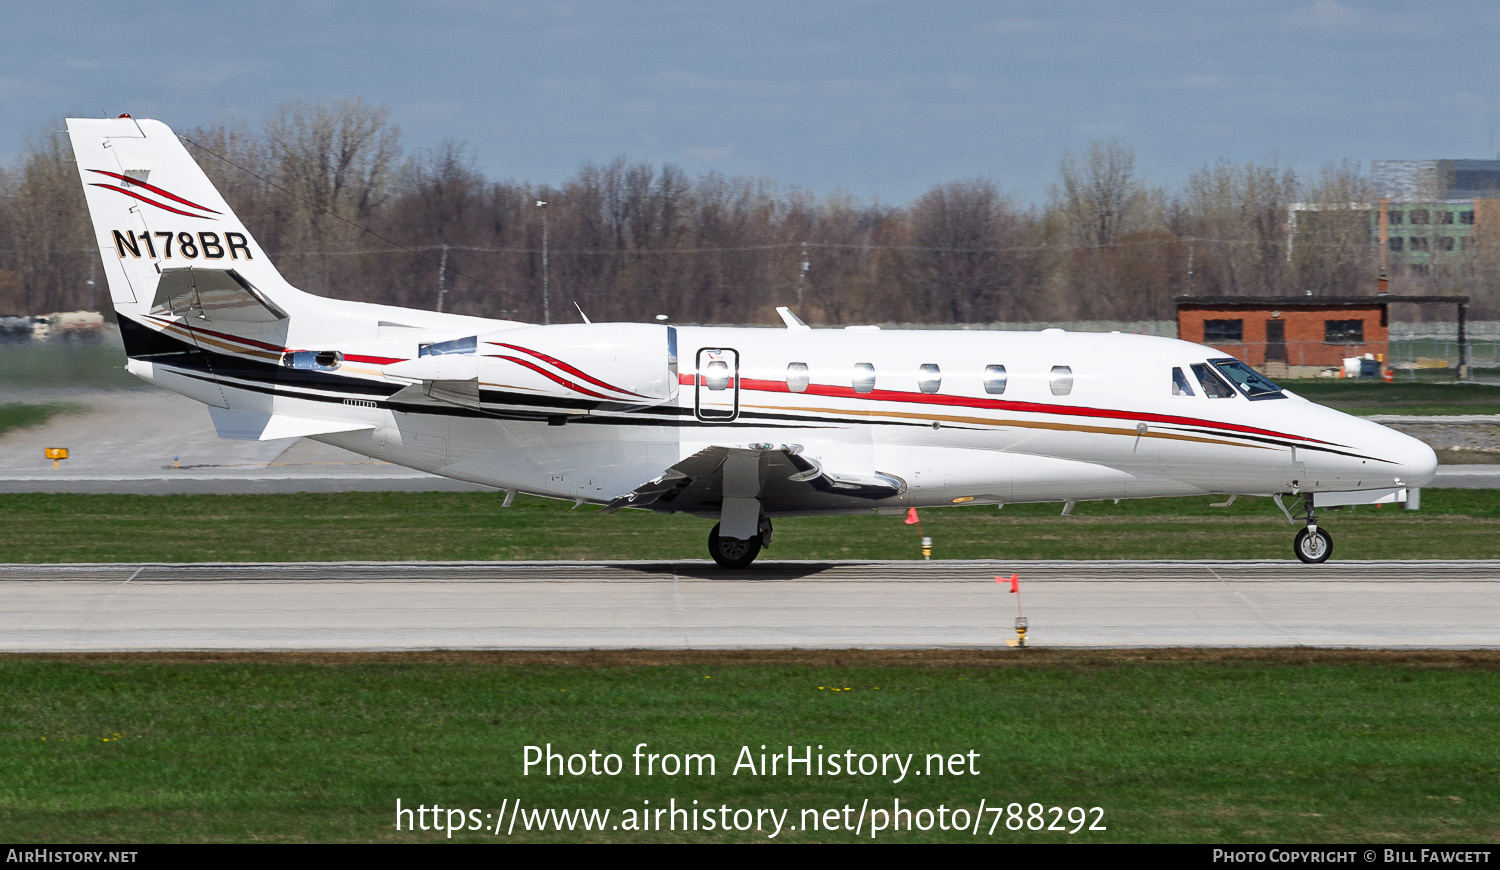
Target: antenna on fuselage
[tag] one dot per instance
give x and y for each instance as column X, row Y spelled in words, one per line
column 580, row 312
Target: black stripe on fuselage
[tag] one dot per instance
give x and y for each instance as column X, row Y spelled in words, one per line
column 151, row 345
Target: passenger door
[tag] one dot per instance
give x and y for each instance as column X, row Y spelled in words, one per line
column 716, row 391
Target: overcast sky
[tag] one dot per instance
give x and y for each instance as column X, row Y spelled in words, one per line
column 874, row 99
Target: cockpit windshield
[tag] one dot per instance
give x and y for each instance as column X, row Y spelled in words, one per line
column 1250, row 382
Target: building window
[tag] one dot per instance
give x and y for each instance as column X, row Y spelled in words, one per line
column 1395, row 217
column 1466, row 217
column 1223, row 331
column 929, row 378
column 797, row 377
column 994, row 379
column 1061, row 380
column 1419, row 216
column 1344, row 331
column 1420, row 268
column 1397, row 243
column 1445, row 243
column 1445, row 217
column 1419, row 243
column 864, row 378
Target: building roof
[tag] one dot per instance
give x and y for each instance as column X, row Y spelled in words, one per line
column 1311, row 301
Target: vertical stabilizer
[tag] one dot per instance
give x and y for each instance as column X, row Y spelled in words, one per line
column 153, row 208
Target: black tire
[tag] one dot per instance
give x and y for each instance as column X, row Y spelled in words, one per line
column 1313, row 548
column 732, row 552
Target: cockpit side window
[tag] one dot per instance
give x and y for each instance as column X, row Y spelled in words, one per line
column 1252, row 383
column 1180, row 385
column 1213, row 385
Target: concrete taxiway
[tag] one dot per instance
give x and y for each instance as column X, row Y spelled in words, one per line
column 694, row 605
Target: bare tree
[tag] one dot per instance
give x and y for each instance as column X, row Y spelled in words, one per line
column 338, row 160
column 1100, row 198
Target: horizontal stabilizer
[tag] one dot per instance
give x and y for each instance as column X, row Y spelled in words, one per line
column 255, row 426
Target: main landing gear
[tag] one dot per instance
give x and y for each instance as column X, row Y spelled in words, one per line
column 736, row 552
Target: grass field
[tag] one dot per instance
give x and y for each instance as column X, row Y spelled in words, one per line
column 1459, row 524
column 1200, row 746
column 1367, row 396
column 17, row 415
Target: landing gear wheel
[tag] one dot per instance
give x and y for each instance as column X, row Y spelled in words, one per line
column 732, row 552
column 1313, row 546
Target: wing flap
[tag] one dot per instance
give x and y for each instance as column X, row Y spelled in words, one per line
column 781, row 479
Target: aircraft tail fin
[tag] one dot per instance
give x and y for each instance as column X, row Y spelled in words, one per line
column 154, row 210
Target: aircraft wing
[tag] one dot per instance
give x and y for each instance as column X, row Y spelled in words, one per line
column 778, row 476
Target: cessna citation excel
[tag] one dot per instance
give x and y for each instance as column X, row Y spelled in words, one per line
column 739, row 425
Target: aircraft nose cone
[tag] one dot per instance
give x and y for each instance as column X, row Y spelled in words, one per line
column 1418, row 462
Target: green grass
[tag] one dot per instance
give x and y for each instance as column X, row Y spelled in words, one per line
column 62, row 364
column 1459, row 524
column 1240, row 747
column 18, row 415
column 1365, row 396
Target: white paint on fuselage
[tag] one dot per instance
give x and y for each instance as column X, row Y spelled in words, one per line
column 982, row 454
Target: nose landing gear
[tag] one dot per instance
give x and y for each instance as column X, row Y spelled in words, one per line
column 1312, row 545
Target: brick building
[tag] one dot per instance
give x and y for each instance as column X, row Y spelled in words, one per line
column 1296, row 336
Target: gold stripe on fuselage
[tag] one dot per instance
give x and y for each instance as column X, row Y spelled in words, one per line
column 1021, row 424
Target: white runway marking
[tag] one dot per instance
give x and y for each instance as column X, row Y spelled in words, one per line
column 569, row 605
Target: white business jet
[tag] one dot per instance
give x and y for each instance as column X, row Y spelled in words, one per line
column 739, row 425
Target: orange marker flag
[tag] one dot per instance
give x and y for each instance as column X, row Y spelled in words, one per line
column 1015, row 582
column 911, row 517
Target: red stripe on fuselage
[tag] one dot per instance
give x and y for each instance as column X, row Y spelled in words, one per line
column 351, row 357
column 828, row 390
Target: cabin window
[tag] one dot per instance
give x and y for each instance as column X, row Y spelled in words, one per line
column 443, row 348
column 317, row 360
column 929, row 378
column 994, row 379
column 1213, row 385
column 1223, row 331
column 797, row 377
column 1344, row 331
column 716, row 375
column 864, row 378
column 1251, row 382
column 1061, row 380
column 1180, row 385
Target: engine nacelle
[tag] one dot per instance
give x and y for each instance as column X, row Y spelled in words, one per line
column 624, row 363
column 568, row 369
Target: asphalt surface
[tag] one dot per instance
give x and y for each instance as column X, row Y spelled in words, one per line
column 694, row 605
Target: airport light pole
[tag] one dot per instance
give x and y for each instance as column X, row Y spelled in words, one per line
column 546, row 290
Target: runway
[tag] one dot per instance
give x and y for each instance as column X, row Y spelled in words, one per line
column 775, row 605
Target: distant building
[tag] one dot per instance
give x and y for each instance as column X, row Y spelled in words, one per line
column 1301, row 336
column 1434, row 180
column 1427, row 218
